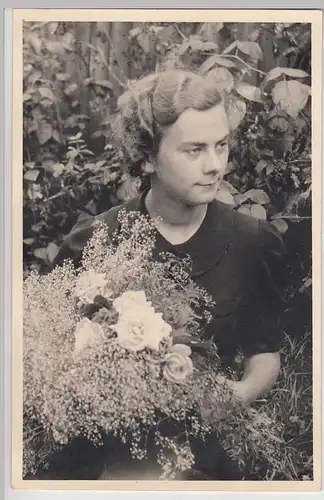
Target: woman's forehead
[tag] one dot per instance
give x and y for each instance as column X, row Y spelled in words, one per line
column 200, row 126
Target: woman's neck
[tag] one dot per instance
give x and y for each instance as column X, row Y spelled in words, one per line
column 174, row 214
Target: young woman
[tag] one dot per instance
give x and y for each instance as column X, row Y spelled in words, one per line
column 175, row 123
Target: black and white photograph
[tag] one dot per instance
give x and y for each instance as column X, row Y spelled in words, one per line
column 167, row 316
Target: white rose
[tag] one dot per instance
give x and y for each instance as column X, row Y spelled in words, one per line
column 141, row 327
column 178, row 365
column 91, row 284
column 130, row 300
column 86, row 334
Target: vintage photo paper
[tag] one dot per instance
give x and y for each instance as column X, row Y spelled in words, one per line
column 166, row 235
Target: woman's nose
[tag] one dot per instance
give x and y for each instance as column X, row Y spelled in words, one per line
column 213, row 164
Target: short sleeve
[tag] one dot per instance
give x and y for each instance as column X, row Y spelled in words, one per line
column 75, row 241
column 259, row 322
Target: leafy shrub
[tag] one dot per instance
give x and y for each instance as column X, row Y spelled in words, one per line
column 72, row 166
column 73, row 75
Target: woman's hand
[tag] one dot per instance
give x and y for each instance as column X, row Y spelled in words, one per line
column 228, row 394
column 260, row 374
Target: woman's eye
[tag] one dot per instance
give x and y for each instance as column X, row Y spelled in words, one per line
column 222, row 145
column 194, row 151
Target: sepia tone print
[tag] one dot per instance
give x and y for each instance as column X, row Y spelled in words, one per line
column 167, row 252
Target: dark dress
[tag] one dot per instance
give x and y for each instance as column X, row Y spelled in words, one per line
column 238, row 260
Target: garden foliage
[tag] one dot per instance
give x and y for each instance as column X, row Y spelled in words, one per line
column 73, row 74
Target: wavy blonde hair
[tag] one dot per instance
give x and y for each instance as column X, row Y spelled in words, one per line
column 155, row 102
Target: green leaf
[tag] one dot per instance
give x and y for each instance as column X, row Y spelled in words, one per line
column 214, row 60
column 34, row 192
column 68, row 41
column 276, row 72
column 29, row 241
column 236, row 110
column 41, row 253
column 27, row 68
column 70, row 89
column 291, row 96
column 58, row 169
column 229, row 167
column 266, row 153
column 260, row 166
column 250, row 92
column 88, row 152
column 36, row 43
column 227, row 185
column 91, row 207
column 295, row 73
column 156, row 29
column 256, row 211
column 62, row 77
column 53, row 25
column 31, row 175
column 145, row 41
column 222, row 78
column 208, row 46
column 135, row 32
column 34, row 77
column 29, row 164
column 129, row 188
column 196, row 45
column 104, row 83
column 109, row 176
column 26, row 96
column 258, row 196
column 254, row 35
column 55, row 48
column 72, row 154
column 46, row 92
column 225, row 196
column 88, row 81
column 252, row 49
column 97, row 134
column 240, row 198
column 210, row 31
column 52, row 251
column 44, row 132
column 279, row 123
column 231, row 47
column 183, row 48
column 281, row 225
column 56, row 136
column 101, row 163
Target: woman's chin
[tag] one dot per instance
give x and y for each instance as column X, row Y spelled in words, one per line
column 207, row 195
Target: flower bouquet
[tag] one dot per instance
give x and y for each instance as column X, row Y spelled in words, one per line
column 114, row 347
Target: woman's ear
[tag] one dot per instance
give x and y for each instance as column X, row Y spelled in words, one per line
column 148, row 167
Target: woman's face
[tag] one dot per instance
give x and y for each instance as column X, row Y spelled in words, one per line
column 193, row 155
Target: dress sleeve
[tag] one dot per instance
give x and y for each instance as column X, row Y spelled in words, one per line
column 259, row 322
column 75, row 241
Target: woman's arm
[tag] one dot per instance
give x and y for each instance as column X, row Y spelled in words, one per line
column 259, row 324
column 260, row 374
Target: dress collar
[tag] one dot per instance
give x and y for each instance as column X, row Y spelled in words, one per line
column 210, row 242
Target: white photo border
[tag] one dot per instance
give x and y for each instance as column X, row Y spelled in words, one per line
column 11, row 294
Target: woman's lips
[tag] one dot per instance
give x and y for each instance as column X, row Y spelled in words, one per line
column 207, row 184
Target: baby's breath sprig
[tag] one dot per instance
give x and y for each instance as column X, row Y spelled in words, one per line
column 84, row 374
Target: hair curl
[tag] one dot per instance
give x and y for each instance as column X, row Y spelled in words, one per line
column 156, row 101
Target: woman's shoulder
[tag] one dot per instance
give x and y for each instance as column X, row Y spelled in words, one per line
column 109, row 217
column 75, row 241
column 251, row 232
